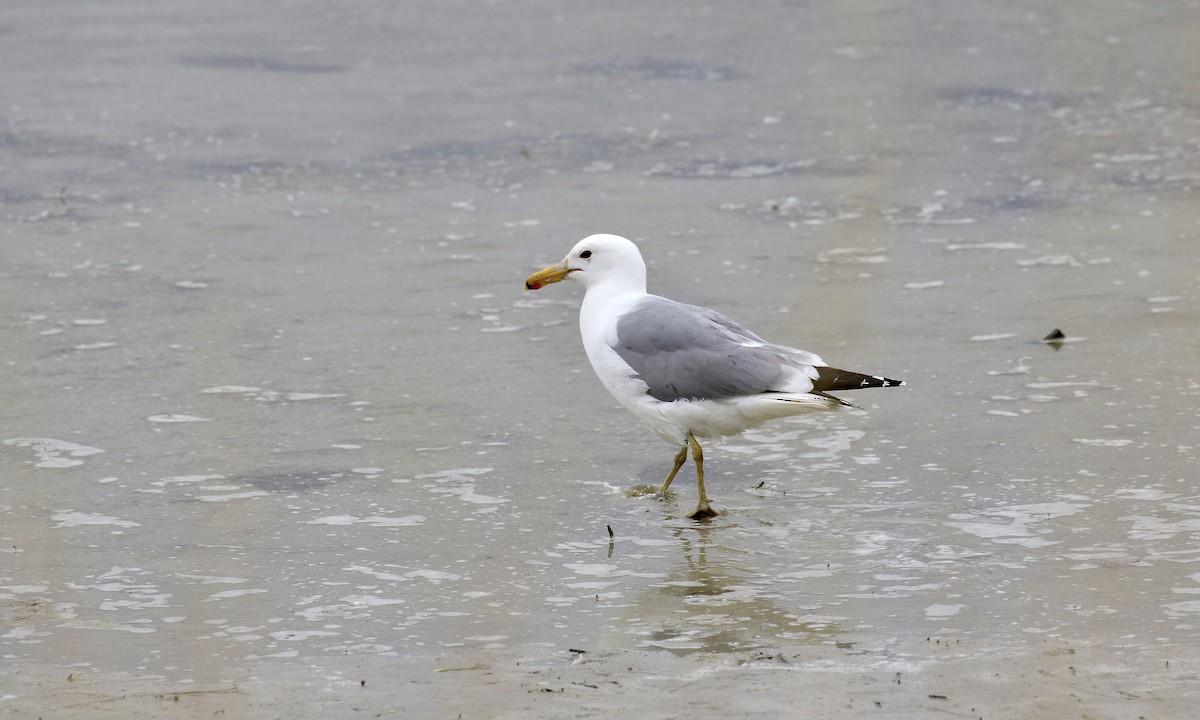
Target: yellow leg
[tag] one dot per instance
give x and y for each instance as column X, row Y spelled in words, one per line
column 703, row 508
column 680, row 459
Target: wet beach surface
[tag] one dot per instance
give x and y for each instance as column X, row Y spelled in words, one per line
column 284, row 436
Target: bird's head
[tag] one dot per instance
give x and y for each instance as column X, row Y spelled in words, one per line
column 593, row 260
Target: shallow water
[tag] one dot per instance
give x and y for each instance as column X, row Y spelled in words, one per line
column 275, row 397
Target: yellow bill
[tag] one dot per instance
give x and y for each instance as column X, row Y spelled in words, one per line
column 552, row 274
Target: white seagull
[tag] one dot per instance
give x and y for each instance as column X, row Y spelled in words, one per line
column 687, row 371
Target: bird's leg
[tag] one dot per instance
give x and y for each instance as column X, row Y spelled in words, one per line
column 703, row 508
column 680, row 459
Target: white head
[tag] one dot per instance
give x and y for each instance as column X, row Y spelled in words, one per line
column 595, row 260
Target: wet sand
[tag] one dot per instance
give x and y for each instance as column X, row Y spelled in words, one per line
column 283, row 435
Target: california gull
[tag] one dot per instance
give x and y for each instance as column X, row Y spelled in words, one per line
column 687, row 371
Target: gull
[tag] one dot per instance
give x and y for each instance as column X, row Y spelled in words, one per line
column 687, row 371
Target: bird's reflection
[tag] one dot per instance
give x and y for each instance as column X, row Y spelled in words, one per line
column 714, row 600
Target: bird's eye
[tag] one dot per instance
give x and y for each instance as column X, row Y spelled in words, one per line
column 585, row 254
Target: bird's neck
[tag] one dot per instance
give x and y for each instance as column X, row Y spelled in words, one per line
column 607, row 300
column 617, row 285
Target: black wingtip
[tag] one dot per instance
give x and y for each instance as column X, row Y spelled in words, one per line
column 833, row 379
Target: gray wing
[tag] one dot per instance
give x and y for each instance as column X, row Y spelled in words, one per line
column 688, row 352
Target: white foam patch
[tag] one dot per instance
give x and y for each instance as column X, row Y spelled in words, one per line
column 606, row 570
column 176, row 418
column 454, row 473
column 803, row 574
column 1015, row 370
column 683, row 642
column 379, row 574
column 1051, row 261
column 322, row 613
column 837, row 442
column 186, row 479
column 212, row 579
column 434, row 576
column 334, row 520
column 70, row 518
column 18, row 589
column 143, row 597
column 941, row 611
column 601, row 585
column 651, row 542
column 594, row 569
column 233, row 496
column 299, row 635
column 1051, row 385
column 459, row 482
column 985, row 246
column 853, row 256
column 280, row 654
column 261, row 395
column 1144, row 494
column 990, row 530
column 1102, row 443
column 312, row 396
column 50, row 452
column 1017, row 530
column 474, row 497
column 103, row 625
column 236, row 593
column 872, row 542
column 1187, row 607
column 1153, row 528
column 373, row 521
column 371, row 600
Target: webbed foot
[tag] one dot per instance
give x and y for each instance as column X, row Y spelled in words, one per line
column 703, row 511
